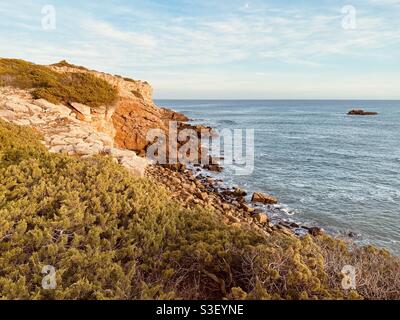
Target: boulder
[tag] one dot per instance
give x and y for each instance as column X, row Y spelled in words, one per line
column 16, row 107
column 135, row 165
column 88, row 149
column 264, row 198
column 202, row 195
column 315, row 231
column 232, row 218
column 261, row 218
column 8, row 115
column 84, row 110
column 247, row 208
column 237, row 192
column 213, row 168
column 60, row 109
column 44, row 104
column 179, row 167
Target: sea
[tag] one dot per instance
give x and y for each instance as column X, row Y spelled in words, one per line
column 327, row 169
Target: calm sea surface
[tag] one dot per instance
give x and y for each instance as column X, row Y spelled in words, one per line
column 332, row 170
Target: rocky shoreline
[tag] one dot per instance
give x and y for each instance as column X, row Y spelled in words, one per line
column 192, row 185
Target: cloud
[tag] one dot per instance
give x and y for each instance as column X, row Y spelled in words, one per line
column 107, row 30
column 230, row 38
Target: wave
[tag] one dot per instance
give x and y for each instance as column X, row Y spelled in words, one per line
column 230, row 122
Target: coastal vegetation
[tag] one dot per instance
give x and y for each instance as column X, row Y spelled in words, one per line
column 56, row 87
column 110, row 235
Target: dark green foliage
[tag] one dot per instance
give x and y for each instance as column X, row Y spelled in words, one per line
column 56, row 87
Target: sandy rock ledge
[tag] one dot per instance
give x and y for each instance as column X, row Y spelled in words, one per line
column 67, row 129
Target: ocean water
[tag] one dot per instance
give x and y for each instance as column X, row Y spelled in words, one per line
column 327, row 169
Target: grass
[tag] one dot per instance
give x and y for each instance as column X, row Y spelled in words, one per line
column 56, row 87
column 113, row 236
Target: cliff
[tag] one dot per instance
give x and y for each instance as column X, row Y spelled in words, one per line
column 117, row 128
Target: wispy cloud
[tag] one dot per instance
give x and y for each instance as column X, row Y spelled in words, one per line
column 108, row 31
column 240, row 38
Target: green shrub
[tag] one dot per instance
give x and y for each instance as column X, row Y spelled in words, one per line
column 113, row 236
column 56, row 87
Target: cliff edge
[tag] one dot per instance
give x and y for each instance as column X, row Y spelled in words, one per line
column 82, row 112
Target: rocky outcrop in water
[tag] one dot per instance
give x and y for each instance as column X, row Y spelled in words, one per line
column 263, row 198
column 360, row 112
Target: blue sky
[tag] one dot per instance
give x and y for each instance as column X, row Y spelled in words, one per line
column 220, row 49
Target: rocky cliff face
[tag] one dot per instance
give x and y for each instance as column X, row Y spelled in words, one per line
column 133, row 114
column 118, row 129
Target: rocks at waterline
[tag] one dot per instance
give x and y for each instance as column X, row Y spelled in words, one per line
column 315, row 231
column 263, row 198
column 213, row 167
column 261, row 218
column 239, row 192
column 361, row 112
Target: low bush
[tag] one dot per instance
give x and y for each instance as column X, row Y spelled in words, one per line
column 112, row 236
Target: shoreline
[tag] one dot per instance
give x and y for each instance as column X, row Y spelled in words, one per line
column 202, row 187
column 249, row 212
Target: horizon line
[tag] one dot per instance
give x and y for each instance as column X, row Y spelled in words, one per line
column 276, row 99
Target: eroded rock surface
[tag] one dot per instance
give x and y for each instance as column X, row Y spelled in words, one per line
column 132, row 115
column 64, row 130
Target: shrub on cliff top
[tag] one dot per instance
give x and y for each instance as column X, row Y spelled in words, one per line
column 64, row 63
column 56, row 87
column 113, row 236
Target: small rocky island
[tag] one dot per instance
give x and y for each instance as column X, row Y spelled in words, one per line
column 361, row 112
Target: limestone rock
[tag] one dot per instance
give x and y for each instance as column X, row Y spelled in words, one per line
column 135, row 165
column 247, row 208
column 84, row 110
column 213, row 168
column 315, row 231
column 44, row 104
column 237, row 192
column 16, row 106
column 261, row 218
column 8, row 115
column 264, row 198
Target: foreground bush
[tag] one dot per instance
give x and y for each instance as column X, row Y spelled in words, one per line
column 56, row 87
column 112, row 236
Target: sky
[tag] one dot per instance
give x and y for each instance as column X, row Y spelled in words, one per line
column 219, row 49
